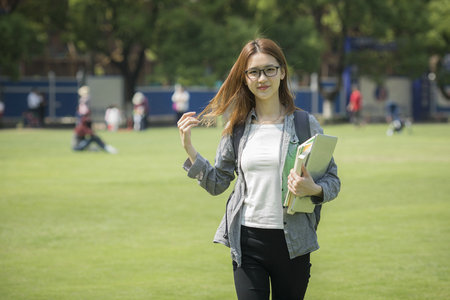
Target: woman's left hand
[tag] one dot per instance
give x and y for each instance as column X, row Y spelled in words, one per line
column 303, row 185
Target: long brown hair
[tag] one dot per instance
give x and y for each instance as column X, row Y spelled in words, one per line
column 235, row 97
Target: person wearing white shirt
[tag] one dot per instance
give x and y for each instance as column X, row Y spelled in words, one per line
column 180, row 99
column 270, row 249
column 34, row 102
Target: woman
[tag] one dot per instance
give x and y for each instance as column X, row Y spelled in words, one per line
column 268, row 246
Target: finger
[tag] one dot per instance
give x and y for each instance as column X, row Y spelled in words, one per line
column 294, row 175
column 186, row 115
column 182, row 121
column 186, row 120
column 293, row 188
column 305, row 172
column 188, row 124
column 292, row 182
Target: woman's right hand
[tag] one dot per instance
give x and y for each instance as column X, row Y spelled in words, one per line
column 186, row 122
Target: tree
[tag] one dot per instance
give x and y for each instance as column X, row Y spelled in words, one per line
column 119, row 30
column 18, row 38
column 196, row 41
column 23, row 32
column 199, row 40
column 386, row 23
column 438, row 41
column 286, row 23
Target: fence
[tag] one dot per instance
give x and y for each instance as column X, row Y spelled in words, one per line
column 61, row 98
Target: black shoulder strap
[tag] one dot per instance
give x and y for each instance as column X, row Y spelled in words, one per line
column 238, row 132
column 302, row 129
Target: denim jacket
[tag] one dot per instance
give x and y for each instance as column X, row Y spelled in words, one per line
column 299, row 229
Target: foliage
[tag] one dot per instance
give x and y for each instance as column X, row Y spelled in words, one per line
column 121, row 31
column 195, row 42
column 294, row 31
column 198, row 42
column 438, row 41
column 48, row 15
column 20, row 42
column 385, row 22
column 25, row 30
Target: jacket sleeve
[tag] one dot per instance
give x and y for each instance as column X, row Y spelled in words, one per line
column 330, row 182
column 218, row 178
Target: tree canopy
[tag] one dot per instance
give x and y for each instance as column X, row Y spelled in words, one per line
column 195, row 42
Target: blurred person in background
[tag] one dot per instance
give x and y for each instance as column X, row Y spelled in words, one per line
column 84, row 100
column 113, row 118
column 2, row 110
column 180, row 100
column 355, row 105
column 84, row 136
column 140, row 111
column 270, row 249
column 41, row 109
column 393, row 118
column 34, row 102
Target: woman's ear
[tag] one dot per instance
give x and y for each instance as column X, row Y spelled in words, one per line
column 283, row 74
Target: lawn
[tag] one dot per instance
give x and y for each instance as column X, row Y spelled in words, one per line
column 133, row 226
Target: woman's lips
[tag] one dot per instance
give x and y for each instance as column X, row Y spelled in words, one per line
column 263, row 88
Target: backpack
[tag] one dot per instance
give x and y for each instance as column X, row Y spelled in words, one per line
column 303, row 131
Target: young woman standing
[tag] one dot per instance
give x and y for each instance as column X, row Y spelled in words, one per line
column 270, row 249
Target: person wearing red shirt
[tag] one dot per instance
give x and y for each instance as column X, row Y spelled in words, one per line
column 84, row 135
column 355, row 105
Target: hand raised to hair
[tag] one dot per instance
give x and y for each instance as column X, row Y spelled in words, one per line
column 185, row 124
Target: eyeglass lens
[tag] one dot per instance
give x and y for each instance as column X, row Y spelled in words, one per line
column 256, row 73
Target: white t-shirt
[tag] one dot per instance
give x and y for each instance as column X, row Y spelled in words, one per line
column 34, row 100
column 181, row 100
column 262, row 206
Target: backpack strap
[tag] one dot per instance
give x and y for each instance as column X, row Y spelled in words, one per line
column 302, row 128
column 238, row 132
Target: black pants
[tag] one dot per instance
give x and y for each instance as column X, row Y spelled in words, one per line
column 83, row 143
column 265, row 263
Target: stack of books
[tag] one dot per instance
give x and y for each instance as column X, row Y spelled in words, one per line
column 315, row 154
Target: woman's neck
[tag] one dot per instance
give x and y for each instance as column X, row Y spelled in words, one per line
column 269, row 113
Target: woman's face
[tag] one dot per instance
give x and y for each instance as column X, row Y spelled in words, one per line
column 264, row 84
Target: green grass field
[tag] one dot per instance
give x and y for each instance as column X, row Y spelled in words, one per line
column 134, row 226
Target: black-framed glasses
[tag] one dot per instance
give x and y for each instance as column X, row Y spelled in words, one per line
column 255, row 73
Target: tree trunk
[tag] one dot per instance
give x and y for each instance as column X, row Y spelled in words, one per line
column 130, row 77
column 129, row 90
column 329, row 95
